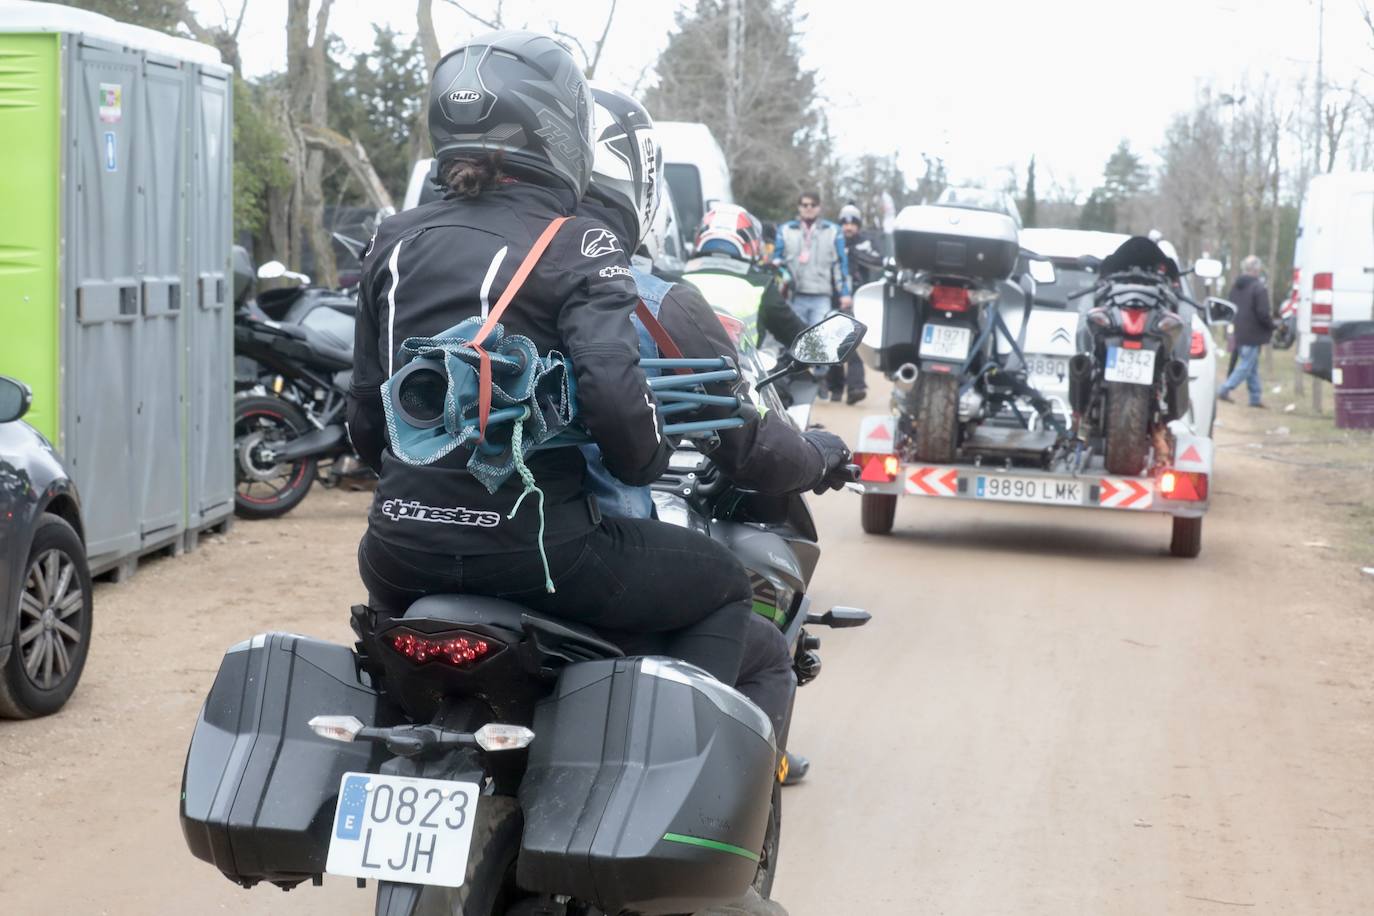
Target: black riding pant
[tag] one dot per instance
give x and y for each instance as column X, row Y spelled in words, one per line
column 626, row 576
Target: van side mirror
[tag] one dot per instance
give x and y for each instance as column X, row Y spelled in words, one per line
column 1220, row 310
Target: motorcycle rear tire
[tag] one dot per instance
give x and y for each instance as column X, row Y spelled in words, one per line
column 301, row 477
column 489, row 886
column 877, row 511
column 1128, row 428
column 1285, row 335
column 768, row 862
column 936, row 401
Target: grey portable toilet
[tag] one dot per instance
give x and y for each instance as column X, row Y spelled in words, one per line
column 115, row 303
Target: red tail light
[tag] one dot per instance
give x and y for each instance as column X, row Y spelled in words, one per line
column 734, row 328
column 1184, row 486
column 949, row 298
column 877, row 467
column 460, row 650
column 1197, row 349
column 1322, row 298
column 1133, row 320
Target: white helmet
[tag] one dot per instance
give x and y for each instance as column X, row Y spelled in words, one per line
column 627, row 165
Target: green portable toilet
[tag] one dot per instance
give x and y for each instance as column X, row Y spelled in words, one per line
column 115, row 227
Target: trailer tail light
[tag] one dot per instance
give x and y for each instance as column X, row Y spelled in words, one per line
column 734, row 328
column 1322, row 298
column 1197, row 348
column 454, row 648
column 877, row 467
column 949, row 298
column 1184, row 486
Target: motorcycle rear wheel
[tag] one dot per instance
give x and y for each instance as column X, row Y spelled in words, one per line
column 1285, row 335
column 1128, row 428
column 937, row 416
column 262, row 490
column 489, row 886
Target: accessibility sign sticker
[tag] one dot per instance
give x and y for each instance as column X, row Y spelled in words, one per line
column 111, row 152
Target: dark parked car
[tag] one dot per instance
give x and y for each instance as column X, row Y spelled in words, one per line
column 45, row 584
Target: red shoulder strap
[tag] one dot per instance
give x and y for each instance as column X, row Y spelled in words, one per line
column 484, row 359
column 665, row 343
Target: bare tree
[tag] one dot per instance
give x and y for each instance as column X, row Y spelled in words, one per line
column 496, row 20
column 307, row 110
column 590, row 59
column 1335, row 117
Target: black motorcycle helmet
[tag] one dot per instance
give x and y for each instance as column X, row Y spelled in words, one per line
column 519, row 94
column 626, row 170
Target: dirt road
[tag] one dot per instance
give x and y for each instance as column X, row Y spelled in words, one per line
column 1048, row 715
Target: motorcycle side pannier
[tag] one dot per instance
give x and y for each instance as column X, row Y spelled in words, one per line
column 976, row 244
column 648, row 788
column 259, row 789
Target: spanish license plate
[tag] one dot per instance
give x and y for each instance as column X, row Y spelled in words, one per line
column 943, row 341
column 1047, row 372
column 1136, row 367
column 1030, row 490
column 398, row 828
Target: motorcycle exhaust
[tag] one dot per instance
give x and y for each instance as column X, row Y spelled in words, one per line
column 1081, row 368
column 905, row 376
column 1176, row 387
column 315, row 442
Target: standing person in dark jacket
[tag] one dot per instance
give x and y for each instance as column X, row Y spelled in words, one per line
column 514, row 160
column 1254, row 328
column 865, row 265
column 767, row 454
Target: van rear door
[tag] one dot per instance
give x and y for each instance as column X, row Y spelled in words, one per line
column 1352, row 280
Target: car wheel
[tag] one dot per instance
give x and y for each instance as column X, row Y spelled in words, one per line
column 52, row 624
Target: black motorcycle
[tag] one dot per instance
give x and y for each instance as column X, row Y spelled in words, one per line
column 489, row 760
column 294, row 360
column 1131, row 378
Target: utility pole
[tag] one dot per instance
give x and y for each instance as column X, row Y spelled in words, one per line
column 1321, row 28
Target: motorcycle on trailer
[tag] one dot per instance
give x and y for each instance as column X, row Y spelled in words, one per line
column 1131, row 378
column 477, row 758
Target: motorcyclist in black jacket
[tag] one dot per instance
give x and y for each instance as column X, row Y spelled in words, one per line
column 768, row 453
column 515, row 158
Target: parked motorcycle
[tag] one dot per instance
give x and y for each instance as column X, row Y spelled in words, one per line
column 478, row 758
column 294, row 360
column 1131, row 378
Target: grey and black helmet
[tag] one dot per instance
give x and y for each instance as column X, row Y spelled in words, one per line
column 627, row 171
column 517, row 93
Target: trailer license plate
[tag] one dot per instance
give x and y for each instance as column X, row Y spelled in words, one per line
column 1047, row 373
column 1134, row 366
column 1030, row 490
column 397, row 828
column 943, row 341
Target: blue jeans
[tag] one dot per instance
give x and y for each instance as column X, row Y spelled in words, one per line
column 810, row 308
column 1247, row 371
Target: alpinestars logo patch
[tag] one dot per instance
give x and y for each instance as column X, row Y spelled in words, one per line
column 615, row 270
column 599, row 242
column 414, row 511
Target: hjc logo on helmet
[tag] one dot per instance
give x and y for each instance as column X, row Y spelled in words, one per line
column 464, row 95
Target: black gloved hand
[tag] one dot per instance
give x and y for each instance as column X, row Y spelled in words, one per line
column 834, row 458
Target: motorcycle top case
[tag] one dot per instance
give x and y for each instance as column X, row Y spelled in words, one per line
column 648, row 788
column 952, row 241
column 259, row 789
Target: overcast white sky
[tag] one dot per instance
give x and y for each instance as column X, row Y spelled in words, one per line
column 984, row 84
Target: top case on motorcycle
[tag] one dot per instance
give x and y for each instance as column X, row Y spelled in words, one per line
column 259, row 788
column 648, row 788
column 952, row 241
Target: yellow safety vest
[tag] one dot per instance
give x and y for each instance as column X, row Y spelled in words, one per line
column 735, row 295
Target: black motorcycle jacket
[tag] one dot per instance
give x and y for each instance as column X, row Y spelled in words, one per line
column 429, row 268
column 767, row 454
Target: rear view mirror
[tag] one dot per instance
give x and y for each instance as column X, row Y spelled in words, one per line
column 271, row 270
column 827, row 342
column 1207, row 268
column 15, row 399
column 1220, row 310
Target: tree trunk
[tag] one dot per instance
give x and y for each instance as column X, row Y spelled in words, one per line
column 429, row 44
column 306, row 72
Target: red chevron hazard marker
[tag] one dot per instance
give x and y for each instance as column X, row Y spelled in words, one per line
column 1124, row 493
column 933, row 481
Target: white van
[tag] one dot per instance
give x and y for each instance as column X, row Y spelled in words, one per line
column 695, row 167
column 1333, row 262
